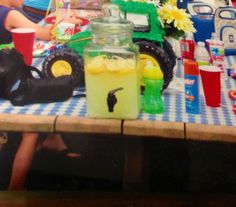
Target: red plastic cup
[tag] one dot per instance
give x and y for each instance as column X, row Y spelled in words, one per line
column 23, row 39
column 211, row 83
column 234, row 3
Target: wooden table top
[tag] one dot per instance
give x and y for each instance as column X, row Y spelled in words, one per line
column 144, row 128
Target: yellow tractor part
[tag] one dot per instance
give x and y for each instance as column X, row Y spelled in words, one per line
column 144, row 59
column 60, row 68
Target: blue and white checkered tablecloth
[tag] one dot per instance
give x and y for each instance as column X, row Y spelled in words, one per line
column 173, row 100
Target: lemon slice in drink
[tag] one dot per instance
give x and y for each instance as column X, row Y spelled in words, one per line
column 128, row 65
column 96, row 65
column 114, row 65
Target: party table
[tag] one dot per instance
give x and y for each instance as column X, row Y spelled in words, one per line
column 214, row 123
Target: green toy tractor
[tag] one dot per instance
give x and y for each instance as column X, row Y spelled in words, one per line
column 148, row 35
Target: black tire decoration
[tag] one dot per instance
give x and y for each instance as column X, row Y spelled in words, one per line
column 169, row 50
column 74, row 66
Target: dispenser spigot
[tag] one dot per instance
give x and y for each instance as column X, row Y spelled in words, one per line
column 112, row 99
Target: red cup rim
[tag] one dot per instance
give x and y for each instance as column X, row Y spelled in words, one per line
column 209, row 68
column 52, row 20
column 23, row 30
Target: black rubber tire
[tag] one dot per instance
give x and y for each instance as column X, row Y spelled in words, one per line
column 76, row 62
column 150, row 48
column 170, row 53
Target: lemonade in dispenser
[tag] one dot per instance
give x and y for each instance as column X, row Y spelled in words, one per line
column 111, row 68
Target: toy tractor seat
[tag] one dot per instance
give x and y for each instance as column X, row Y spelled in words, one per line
column 142, row 29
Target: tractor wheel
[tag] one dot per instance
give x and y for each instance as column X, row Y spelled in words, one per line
column 65, row 62
column 169, row 50
column 149, row 51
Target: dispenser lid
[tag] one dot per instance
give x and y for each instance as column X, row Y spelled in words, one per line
column 111, row 22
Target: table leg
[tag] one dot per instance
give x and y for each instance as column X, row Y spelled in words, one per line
column 136, row 164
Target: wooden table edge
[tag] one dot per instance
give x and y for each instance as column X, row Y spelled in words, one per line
column 202, row 132
column 174, row 130
column 78, row 124
column 29, row 123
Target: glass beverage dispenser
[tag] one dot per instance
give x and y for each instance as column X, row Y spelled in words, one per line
column 111, row 68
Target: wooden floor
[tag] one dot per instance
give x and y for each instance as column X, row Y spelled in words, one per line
column 74, row 199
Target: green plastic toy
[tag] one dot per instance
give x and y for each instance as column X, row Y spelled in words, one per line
column 148, row 35
column 153, row 80
column 6, row 46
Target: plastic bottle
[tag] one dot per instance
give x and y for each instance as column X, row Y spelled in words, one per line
column 201, row 54
column 187, row 47
column 153, row 80
column 217, row 53
column 191, row 82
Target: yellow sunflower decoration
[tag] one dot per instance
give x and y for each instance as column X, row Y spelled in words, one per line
column 176, row 21
column 173, row 2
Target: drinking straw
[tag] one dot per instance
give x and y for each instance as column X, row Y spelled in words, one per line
column 68, row 9
column 57, row 15
column 49, row 6
column 53, row 26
